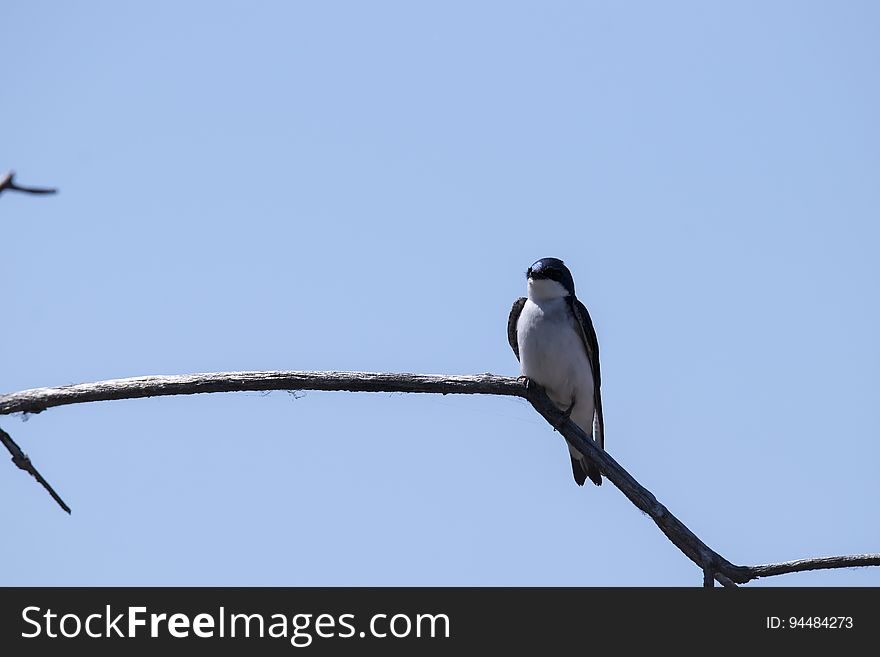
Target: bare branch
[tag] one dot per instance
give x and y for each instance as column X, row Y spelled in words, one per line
column 819, row 563
column 7, row 181
column 23, row 462
column 39, row 399
column 712, row 564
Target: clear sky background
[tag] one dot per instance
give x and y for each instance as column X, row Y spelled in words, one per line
column 361, row 186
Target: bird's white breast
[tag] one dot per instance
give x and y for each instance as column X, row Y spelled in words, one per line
column 552, row 354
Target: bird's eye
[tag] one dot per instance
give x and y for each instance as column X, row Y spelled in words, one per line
column 529, row 272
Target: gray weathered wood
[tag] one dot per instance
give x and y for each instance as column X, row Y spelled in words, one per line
column 819, row 563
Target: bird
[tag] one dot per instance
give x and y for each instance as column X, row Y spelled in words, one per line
column 552, row 335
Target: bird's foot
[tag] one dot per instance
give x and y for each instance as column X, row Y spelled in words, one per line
column 566, row 414
column 531, row 385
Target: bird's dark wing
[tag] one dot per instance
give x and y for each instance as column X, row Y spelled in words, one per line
column 588, row 335
column 512, row 319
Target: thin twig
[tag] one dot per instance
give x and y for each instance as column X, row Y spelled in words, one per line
column 820, row 563
column 708, row 577
column 22, row 461
column 725, row 572
column 7, row 181
column 724, row 581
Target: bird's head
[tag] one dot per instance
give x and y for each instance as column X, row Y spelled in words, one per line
column 549, row 278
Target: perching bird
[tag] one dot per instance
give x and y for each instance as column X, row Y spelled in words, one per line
column 552, row 335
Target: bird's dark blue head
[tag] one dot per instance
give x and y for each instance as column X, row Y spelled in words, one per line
column 552, row 269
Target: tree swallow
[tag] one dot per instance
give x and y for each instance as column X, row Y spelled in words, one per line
column 552, row 335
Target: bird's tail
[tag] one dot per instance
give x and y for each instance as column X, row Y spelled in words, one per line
column 583, row 470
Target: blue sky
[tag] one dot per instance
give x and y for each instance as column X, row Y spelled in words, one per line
column 361, row 186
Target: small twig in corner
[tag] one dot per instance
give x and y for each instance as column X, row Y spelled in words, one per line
column 7, row 181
